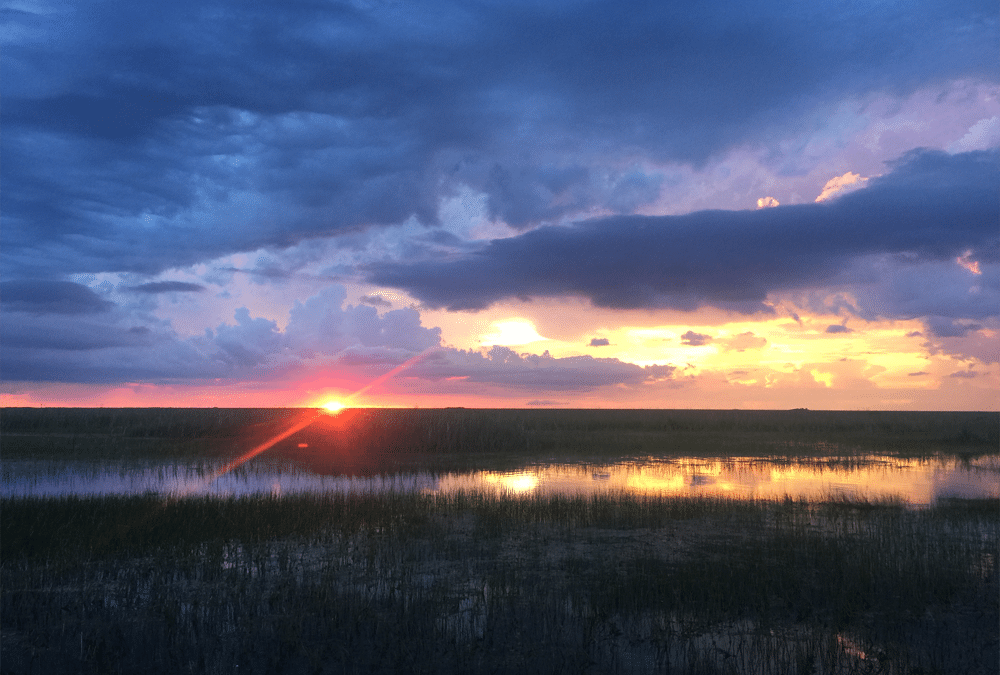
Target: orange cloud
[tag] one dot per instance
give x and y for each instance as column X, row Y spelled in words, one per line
column 840, row 184
column 966, row 261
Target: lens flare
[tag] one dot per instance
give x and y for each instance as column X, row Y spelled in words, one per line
column 330, row 407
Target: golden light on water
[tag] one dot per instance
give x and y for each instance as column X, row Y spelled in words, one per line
column 882, row 477
column 512, row 482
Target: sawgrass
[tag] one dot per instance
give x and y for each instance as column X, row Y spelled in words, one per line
column 472, row 582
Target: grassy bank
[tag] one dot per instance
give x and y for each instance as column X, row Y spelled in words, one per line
column 475, row 583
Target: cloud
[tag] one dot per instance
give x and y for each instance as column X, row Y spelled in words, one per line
column 964, row 373
column 56, row 333
column 983, row 135
column 840, row 185
column 321, row 325
column 695, row 339
column 946, row 327
column 965, row 261
column 322, row 333
column 838, row 328
column 51, row 297
column 907, row 286
column 375, row 301
column 250, row 342
column 930, row 207
column 745, row 341
column 599, row 342
column 767, row 203
column 168, row 287
column 203, row 129
column 503, row 366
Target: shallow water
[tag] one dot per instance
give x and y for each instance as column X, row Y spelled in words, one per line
column 917, row 482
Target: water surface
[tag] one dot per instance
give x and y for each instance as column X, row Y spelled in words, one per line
column 914, row 481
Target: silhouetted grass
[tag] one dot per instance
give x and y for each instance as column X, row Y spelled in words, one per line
column 481, row 583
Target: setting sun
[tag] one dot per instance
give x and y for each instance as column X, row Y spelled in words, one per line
column 333, row 406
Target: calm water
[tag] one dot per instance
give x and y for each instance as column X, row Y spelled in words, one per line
column 917, row 482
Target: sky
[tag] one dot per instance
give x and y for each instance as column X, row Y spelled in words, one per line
column 501, row 203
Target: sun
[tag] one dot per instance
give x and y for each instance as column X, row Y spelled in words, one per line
column 333, row 407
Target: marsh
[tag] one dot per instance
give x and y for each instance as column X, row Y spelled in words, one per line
column 672, row 559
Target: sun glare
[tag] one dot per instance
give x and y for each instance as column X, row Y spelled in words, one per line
column 333, row 407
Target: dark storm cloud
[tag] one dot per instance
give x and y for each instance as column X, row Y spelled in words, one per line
column 930, row 207
column 51, row 297
column 168, row 287
column 140, row 136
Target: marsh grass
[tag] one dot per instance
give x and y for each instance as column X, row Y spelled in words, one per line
column 475, row 582
column 373, row 440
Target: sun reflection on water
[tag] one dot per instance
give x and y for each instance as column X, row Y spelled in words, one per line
column 520, row 482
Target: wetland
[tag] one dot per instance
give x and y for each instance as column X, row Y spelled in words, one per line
column 499, row 541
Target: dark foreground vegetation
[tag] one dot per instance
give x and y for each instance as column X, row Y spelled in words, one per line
column 468, row 583
column 377, row 440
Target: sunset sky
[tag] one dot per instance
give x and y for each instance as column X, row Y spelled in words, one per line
column 501, row 203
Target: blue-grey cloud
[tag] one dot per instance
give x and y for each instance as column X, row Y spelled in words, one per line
column 695, row 339
column 51, row 297
column 375, row 301
column 142, row 136
column 838, row 328
column 930, row 207
column 599, row 342
column 946, row 327
column 156, row 287
column 70, row 334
